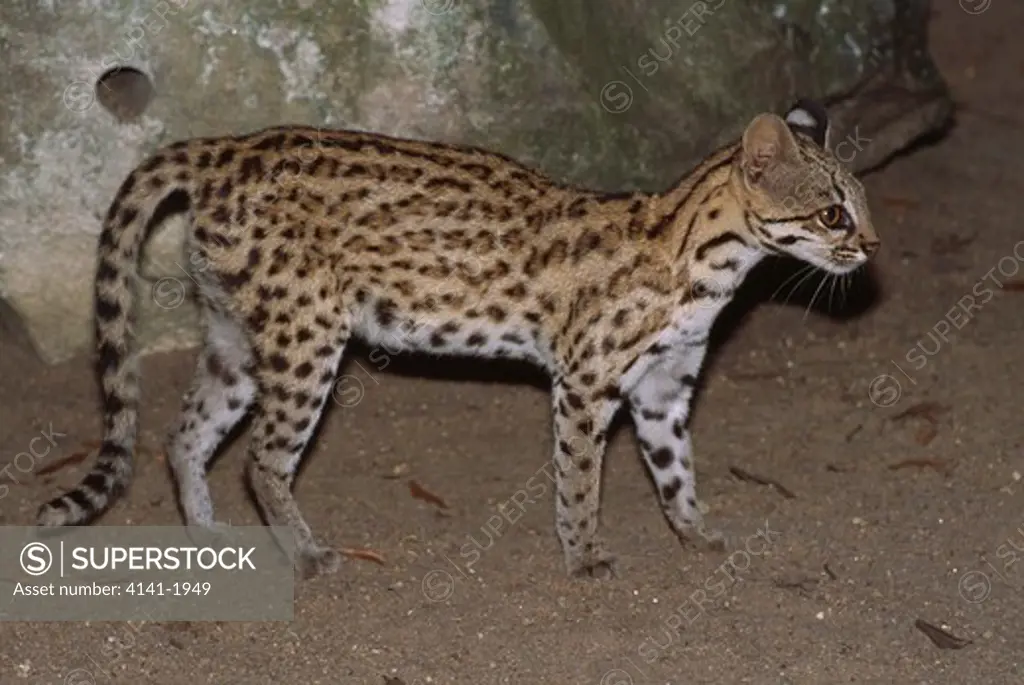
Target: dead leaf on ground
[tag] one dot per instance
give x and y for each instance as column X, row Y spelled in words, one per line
column 388, row 680
column 939, row 637
column 926, row 410
column 364, row 554
column 90, row 446
column 943, row 467
column 829, row 572
column 760, row 480
column 929, row 412
column 70, row 460
column 419, row 492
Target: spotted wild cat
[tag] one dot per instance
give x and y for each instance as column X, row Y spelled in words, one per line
column 310, row 237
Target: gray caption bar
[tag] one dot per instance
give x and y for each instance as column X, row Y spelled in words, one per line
column 146, row 573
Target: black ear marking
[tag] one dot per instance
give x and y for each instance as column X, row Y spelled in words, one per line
column 810, row 118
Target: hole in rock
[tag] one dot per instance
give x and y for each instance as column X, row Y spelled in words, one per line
column 124, row 92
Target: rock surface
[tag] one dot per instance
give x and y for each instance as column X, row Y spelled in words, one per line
column 615, row 94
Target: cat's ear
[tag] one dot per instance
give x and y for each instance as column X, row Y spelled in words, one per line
column 810, row 118
column 767, row 142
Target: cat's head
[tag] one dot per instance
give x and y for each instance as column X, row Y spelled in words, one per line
column 800, row 200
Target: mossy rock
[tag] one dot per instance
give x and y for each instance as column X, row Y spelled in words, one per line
column 614, row 94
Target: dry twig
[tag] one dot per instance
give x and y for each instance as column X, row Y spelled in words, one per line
column 943, row 467
column 761, row 480
column 419, row 492
column 364, row 554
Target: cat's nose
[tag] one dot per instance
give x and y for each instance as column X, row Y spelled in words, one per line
column 870, row 247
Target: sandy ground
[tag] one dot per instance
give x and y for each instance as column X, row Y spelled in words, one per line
column 897, row 513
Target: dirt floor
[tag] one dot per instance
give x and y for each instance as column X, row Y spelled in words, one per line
column 893, row 432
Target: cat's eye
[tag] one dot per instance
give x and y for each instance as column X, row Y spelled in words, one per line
column 832, row 217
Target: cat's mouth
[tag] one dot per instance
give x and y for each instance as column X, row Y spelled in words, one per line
column 845, row 263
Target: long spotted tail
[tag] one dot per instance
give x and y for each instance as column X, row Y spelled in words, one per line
column 124, row 231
